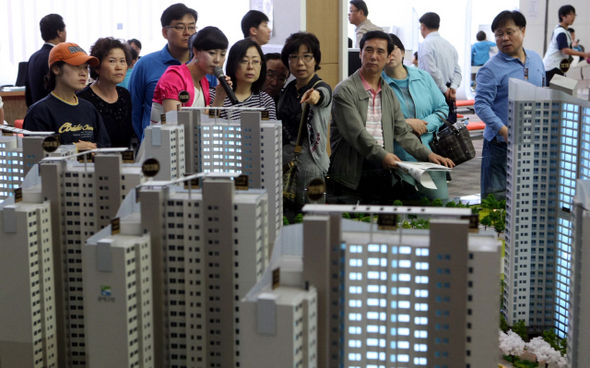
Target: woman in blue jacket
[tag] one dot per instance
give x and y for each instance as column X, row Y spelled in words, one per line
column 423, row 105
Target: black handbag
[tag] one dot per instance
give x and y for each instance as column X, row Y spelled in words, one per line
column 453, row 141
column 291, row 169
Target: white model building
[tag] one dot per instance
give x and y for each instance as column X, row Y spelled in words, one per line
column 384, row 297
column 579, row 316
column 165, row 143
column 28, row 336
column 548, row 150
column 19, row 151
column 118, row 296
column 249, row 146
column 84, row 196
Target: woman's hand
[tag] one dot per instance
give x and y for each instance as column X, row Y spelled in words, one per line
column 312, row 97
column 418, row 126
column 85, row 146
column 220, row 93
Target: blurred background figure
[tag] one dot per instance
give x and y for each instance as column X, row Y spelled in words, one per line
column 480, row 51
column 276, row 75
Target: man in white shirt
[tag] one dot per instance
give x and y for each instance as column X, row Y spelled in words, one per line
column 357, row 15
column 439, row 58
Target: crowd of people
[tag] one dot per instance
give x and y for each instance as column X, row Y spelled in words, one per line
column 384, row 113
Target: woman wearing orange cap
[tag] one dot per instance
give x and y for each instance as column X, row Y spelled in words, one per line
column 76, row 121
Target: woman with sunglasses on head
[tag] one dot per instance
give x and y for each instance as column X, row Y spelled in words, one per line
column 75, row 120
column 247, row 71
column 423, row 107
column 112, row 102
column 302, row 55
column 209, row 47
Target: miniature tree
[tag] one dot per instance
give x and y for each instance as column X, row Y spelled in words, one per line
column 299, row 218
column 425, row 202
column 503, row 323
column 500, row 226
column 511, row 344
column 520, row 329
column 406, row 225
column 397, row 202
column 451, row 204
column 285, row 220
column 486, row 221
column 542, row 350
column 461, row 205
column 437, row 203
column 345, row 215
column 555, row 342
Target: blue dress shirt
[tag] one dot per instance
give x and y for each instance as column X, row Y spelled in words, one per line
column 491, row 94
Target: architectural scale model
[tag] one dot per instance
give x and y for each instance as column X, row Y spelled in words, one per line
column 549, row 135
column 376, row 297
column 19, row 150
column 579, row 316
column 28, row 335
column 84, row 196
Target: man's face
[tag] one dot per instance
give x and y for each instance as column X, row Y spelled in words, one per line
column 276, row 75
column 353, row 15
column 374, row 56
column 261, row 35
column 509, row 39
column 569, row 19
column 178, row 38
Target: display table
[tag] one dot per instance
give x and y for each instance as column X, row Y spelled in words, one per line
column 15, row 106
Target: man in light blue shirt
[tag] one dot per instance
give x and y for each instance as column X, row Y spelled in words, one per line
column 178, row 23
column 491, row 98
column 440, row 59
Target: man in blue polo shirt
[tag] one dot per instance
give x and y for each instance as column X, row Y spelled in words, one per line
column 178, row 23
column 491, row 98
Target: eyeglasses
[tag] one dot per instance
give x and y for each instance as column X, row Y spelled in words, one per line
column 510, row 33
column 254, row 62
column 352, row 11
column 305, row 57
column 280, row 78
column 182, row 28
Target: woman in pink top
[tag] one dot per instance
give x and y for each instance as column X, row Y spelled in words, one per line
column 209, row 48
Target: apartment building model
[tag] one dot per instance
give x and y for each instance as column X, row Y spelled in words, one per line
column 209, row 246
column 28, row 326
column 249, row 146
column 549, row 148
column 345, row 293
column 579, row 316
column 20, row 149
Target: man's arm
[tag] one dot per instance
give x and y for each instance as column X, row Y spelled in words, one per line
column 427, row 62
column 137, row 91
column 352, row 127
column 456, row 82
column 564, row 46
column 487, row 89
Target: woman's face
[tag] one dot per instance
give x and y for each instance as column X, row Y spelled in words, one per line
column 302, row 64
column 113, row 67
column 248, row 70
column 396, row 59
column 71, row 76
column 207, row 60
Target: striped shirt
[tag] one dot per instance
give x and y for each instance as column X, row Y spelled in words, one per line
column 373, row 125
column 261, row 99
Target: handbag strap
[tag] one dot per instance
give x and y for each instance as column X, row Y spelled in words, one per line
column 446, row 121
column 304, row 116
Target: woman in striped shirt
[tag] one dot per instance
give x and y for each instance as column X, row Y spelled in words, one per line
column 246, row 68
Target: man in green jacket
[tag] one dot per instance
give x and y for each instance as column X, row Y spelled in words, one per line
column 366, row 118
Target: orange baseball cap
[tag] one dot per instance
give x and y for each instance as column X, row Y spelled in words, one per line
column 72, row 54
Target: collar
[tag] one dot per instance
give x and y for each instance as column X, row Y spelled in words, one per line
column 432, row 34
column 509, row 58
column 64, row 101
column 363, row 22
column 49, row 43
column 367, row 86
column 390, row 80
column 167, row 57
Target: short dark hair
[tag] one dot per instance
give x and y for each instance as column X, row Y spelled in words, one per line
column 253, row 18
column 134, row 53
column 176, row 12
column 134, row 41
column 377, row 34
column 101, row 49
column 272, row 56
column 416, row 55
column 209, row 38
column 49, row 79
column 236, row 53
column 50, row 25
column 508, row 16
column 361, row 5
column 481, row 36
column 571, row 30
column 430, row 20
column 565, row 10
column 295, row 40
column 397, row 42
